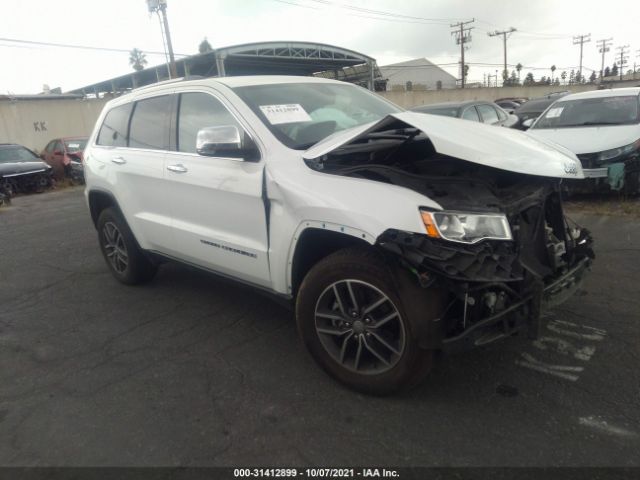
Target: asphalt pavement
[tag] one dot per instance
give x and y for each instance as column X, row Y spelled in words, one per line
column 193, row 370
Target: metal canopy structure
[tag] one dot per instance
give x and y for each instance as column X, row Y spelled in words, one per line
column 265, row 58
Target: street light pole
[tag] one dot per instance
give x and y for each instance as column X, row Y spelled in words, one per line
column 160, row 7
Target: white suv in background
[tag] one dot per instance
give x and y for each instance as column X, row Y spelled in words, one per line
column 394, row 234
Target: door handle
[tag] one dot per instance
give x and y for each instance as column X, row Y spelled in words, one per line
column 177, row 168
column 118, row 160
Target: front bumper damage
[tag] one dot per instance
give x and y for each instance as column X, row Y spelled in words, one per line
column 497, row 288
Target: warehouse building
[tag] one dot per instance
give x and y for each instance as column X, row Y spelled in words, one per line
column 417, row 74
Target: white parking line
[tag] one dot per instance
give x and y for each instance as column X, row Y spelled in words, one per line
column 605, row 427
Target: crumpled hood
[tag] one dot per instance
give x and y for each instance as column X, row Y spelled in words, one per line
column 590, row 139
column 22, row 168
column 487, row 145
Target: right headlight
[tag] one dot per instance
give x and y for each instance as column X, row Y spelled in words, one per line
column 466, row 227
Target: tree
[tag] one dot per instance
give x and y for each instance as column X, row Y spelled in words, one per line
column 572, row 77
column 137, row 59
column 205, row 46
column 607, row 72
column 518, row 68
column 529, row 80
column 543, row 80
column 553, row 69
column 556, row 82
column 614, row 70
column 593, row 77
column 466, row 72
column 563, row 75
column 578, row 77
column 513, row 79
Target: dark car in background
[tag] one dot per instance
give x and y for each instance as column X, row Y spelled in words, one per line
column 534, row 108
column 21, row 171
column 65, row 155
column 477, row 111
column 507, row 105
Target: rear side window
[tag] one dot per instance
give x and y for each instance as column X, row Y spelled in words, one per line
column 150, row 123
column 489, row 114
column 199, row 110
column 113, row 132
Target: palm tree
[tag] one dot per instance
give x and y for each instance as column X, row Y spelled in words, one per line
column 518, row 68
column 137, row 59
column 553, row 69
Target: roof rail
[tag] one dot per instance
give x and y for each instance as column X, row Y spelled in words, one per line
column 171, row 80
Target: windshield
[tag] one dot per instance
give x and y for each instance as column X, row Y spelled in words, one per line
column 302, row 114
column 16, row 154
column 75, row 145
column 619, row 110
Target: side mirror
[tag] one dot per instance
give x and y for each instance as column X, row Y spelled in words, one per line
column 225, row 141
column 528, row 122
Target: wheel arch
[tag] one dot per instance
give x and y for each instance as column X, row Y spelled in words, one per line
column 98, row 201
column 316, row 240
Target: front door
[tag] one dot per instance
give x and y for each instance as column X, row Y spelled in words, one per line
column 219, row 217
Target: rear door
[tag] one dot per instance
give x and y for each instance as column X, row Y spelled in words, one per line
column 488, row 114
column 219, row 216
column 134, row 138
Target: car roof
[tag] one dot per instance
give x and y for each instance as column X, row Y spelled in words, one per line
column 613, row 92
column 452, row 104
column 240, row 81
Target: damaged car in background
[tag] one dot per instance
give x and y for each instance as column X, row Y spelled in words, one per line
column 22, row 171
column 603, row 129
column 394, row 234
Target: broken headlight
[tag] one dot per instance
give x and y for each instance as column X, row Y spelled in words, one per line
column 466, row 227
column 615, row 153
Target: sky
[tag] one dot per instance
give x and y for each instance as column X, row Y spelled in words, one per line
column 387, row 30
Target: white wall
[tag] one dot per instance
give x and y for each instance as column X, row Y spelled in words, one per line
column 33, row 123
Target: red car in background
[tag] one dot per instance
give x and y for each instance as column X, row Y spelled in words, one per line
column 65, row 155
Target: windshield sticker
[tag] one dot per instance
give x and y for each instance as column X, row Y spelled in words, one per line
column 554, row 112
column 73, row 145
column 291, row 113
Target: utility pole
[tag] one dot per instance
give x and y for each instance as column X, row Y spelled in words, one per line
column 160, row 7
column 622, row 51
column 603, row 47
column 581, row 39
column 463, row 35
column 504, row 33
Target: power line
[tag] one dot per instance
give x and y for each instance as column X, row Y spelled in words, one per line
column 504, row 33
column 580, row 40
column 603, row 47
column 463, row 35
column 623, row 50
column 80, row 47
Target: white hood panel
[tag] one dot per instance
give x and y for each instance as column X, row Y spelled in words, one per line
column 487, row 145
column 590, row 139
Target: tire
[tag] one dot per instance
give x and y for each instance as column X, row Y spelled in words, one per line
column 121, row 252
column 362, row 276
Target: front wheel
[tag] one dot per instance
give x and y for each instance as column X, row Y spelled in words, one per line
column 353, row 319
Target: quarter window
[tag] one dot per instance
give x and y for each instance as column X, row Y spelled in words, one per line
column 113, row 132
column 150, row 123
column 489, row 114
column 197, row 111
column 471, row 114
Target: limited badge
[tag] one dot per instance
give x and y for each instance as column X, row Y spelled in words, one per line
column 570, row 168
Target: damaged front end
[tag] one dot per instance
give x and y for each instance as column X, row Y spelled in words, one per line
column 501, row 248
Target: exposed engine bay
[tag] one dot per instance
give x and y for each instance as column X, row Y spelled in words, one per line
column 494, row 287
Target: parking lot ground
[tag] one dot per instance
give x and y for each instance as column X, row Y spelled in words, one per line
column 192, row 370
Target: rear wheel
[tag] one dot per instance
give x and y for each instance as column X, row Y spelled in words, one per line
column 127, row 262
column 352, row 318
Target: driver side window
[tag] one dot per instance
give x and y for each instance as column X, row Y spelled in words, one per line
column 196, row 111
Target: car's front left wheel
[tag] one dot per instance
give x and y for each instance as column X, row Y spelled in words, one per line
column 354, row 319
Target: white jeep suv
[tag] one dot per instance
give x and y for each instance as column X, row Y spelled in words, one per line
column 394, row 234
